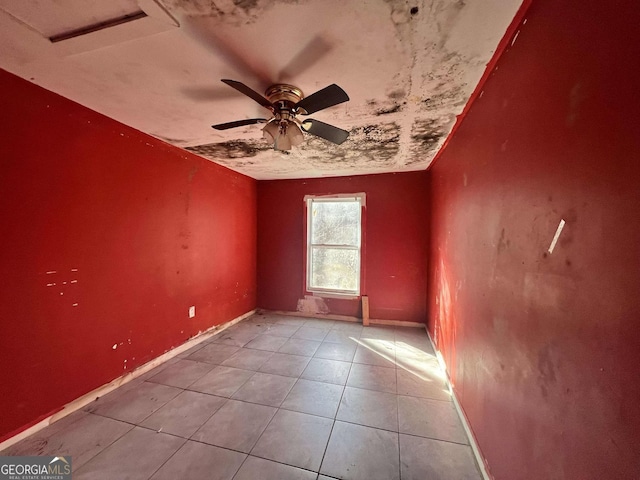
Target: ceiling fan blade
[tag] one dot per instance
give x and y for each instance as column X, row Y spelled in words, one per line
column 203, row 29
column 325, row 98
column 207, row 93
column 242, row 88
column 313, row 51
column 324, row 130
column 239, row 123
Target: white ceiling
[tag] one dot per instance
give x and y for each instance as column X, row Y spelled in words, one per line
column 409, row 67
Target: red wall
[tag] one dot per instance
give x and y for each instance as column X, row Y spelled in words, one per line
column 395, row 242
column 544, row 349
column 151, row 230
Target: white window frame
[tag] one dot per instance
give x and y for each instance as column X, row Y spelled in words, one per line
column 309, row 201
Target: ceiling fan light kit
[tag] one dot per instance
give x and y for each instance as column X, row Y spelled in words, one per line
column 285, row 102
column 283, row 135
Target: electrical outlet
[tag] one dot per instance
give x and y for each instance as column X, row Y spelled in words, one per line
column 192, row 311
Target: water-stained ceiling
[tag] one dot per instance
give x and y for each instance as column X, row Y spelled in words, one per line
column 408, row 67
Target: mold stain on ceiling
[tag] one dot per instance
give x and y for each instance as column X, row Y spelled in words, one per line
column 370, row 146
column 409, row 68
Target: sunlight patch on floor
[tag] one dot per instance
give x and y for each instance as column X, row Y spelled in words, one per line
column 421, row 364
column 378, row 347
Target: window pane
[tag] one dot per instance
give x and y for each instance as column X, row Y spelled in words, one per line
column 334, row 269
column 335, row 223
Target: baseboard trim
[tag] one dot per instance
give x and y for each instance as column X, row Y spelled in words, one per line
column 89, row 397
column 343, row 318
column 395, row 323
column 463, row 417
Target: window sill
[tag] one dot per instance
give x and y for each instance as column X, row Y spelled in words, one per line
column 342, row 296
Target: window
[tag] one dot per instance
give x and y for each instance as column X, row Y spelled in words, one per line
column 334, row 232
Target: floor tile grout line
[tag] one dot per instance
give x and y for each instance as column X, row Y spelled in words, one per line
column 204, row 393
column 182, row 390
column 307, row 413
column 169, row 458
column 254, row 403
column 351, row 422
column 150, row 380
column 133, row 425
column 434, row 438
column 107, row 446
column 334, row 417
column 190, row 439
column 190, row 389
column 271, row 420
column 293, row 335
column 219, row 365
column 425, row 398
column 216, row 411
column 244, row 453
column 216, row 446
column 227, row 398
column 258, row 439
column 317, row 472
column 274, row 461
column 249, row 454
column 241, row 465
column 344, row 388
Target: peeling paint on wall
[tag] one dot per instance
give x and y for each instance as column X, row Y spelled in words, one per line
column 313, row 305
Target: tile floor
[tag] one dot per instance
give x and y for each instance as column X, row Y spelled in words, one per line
column 275, row 398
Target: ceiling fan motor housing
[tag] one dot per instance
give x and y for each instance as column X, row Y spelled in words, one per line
column 284, row 98
column 283, row 92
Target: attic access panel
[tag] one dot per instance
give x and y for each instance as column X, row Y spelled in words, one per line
column 53, row 19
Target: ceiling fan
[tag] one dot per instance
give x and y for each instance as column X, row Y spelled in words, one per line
column 285, row 102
